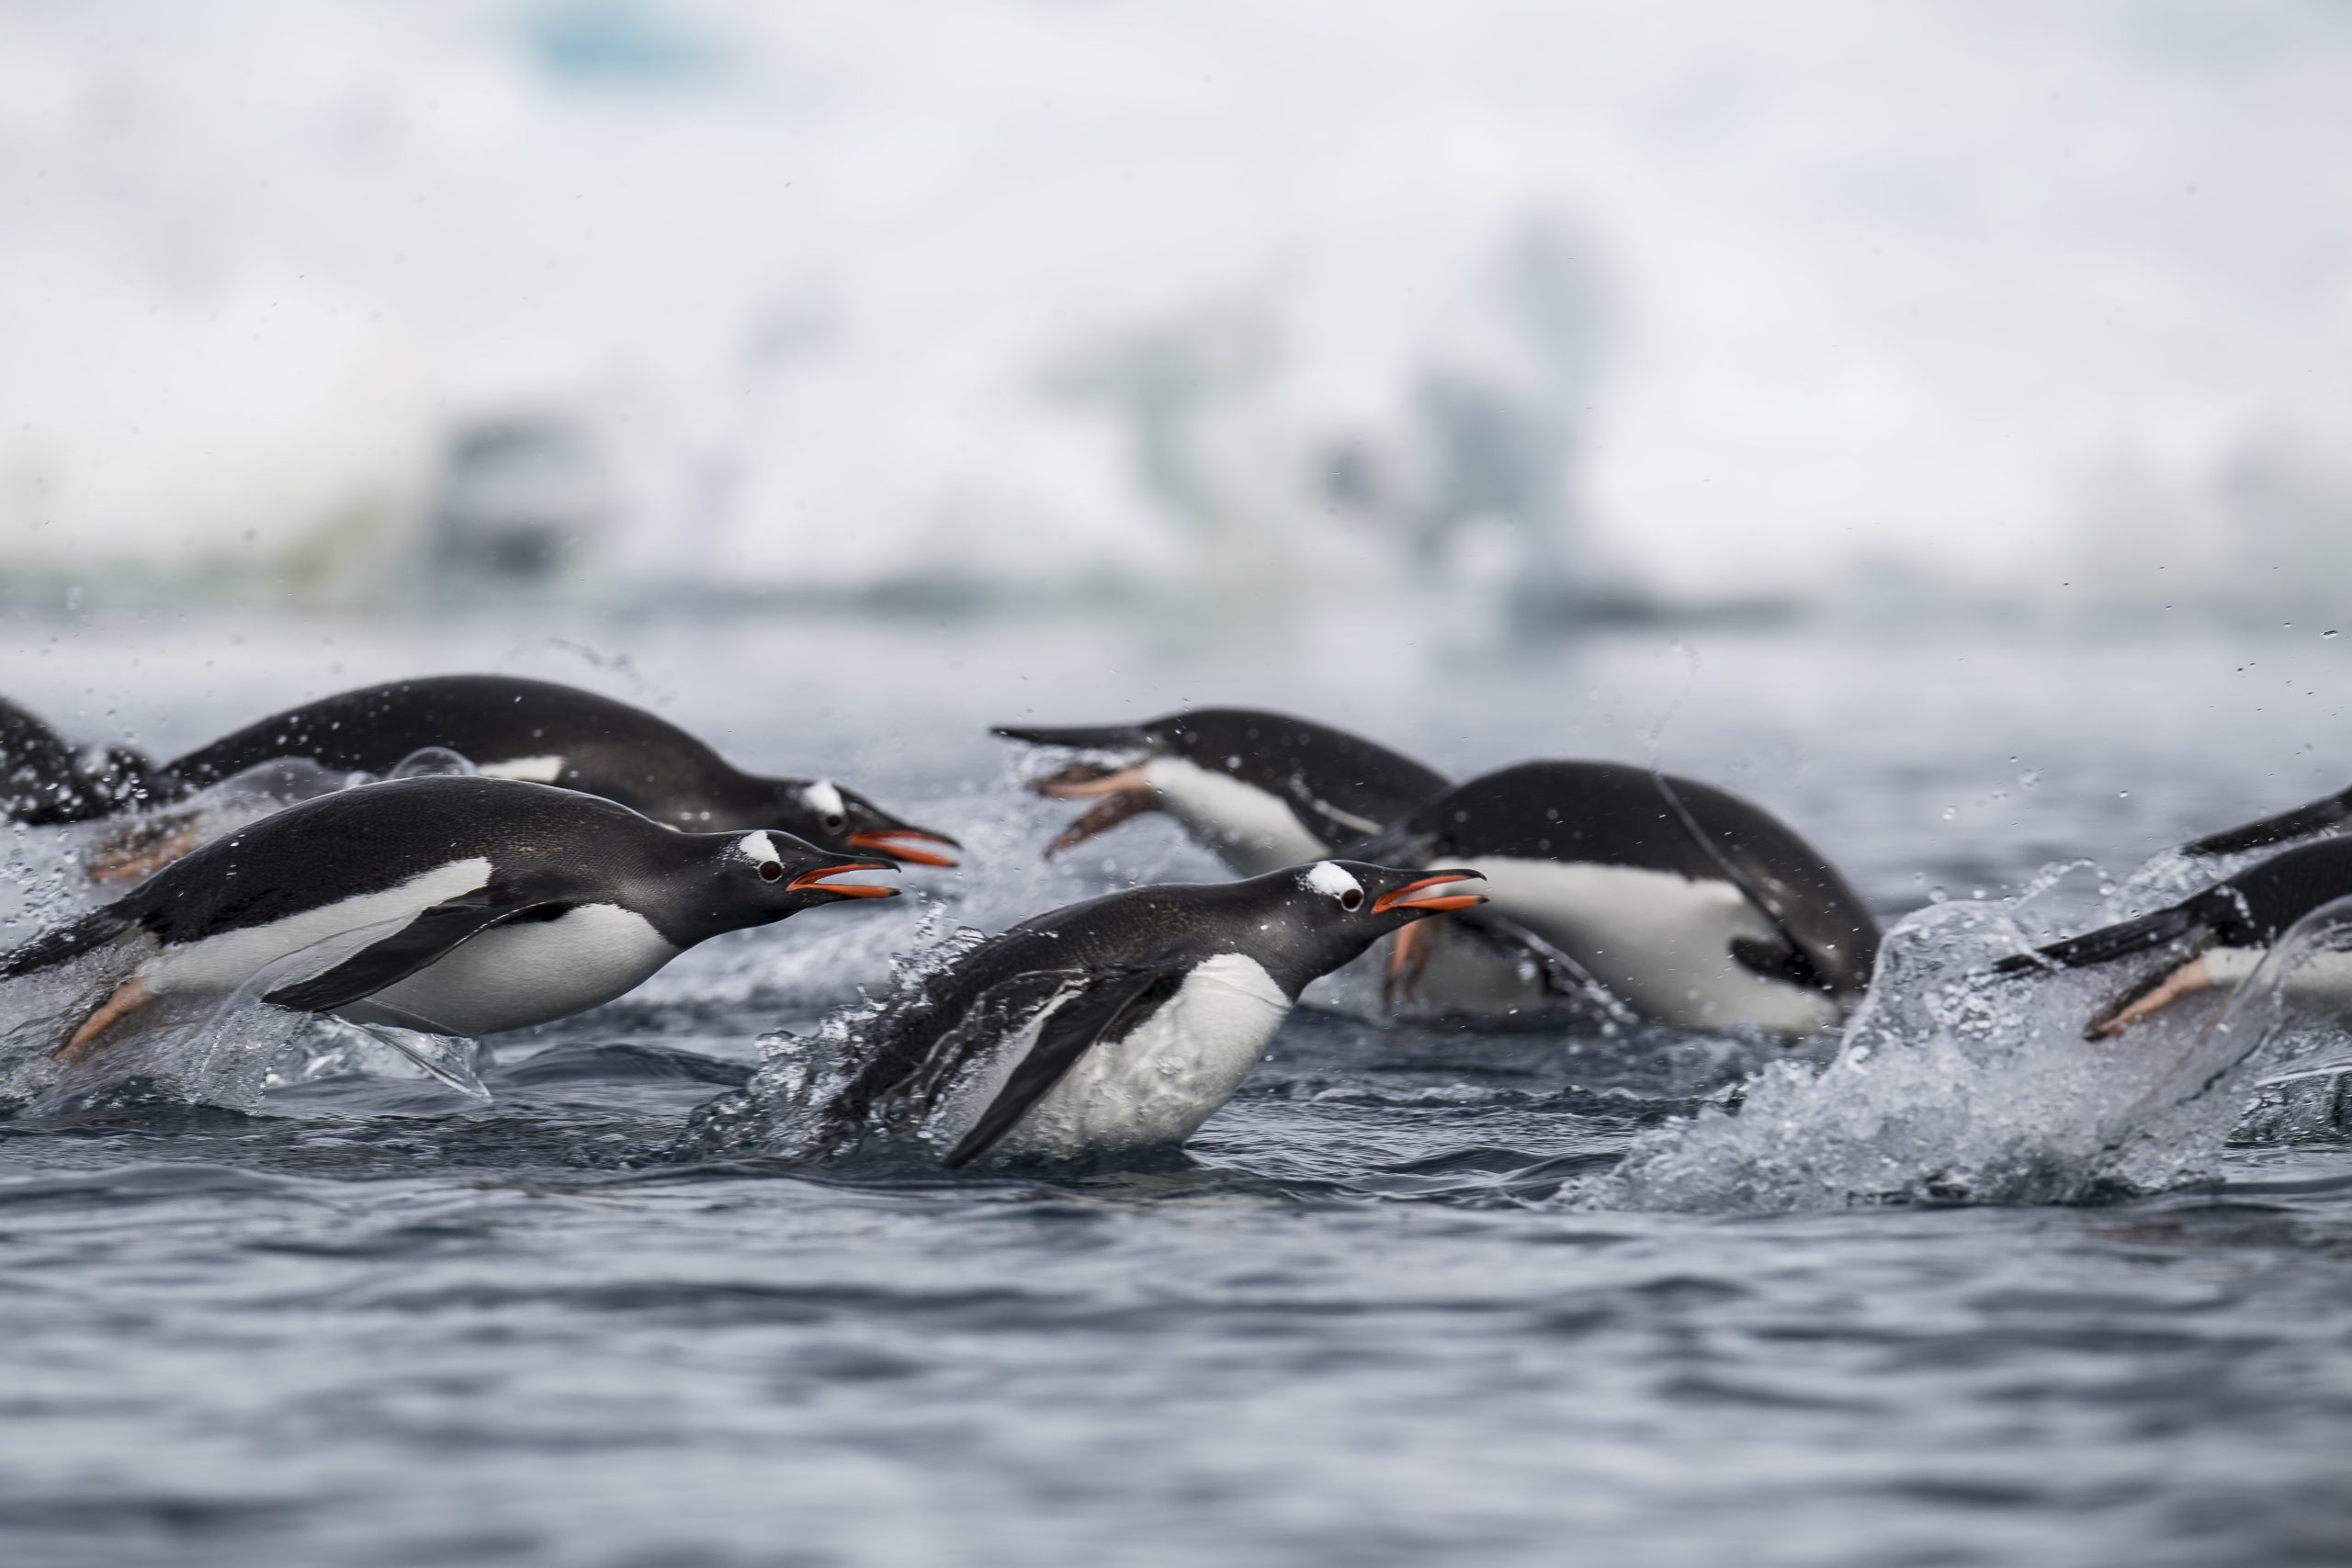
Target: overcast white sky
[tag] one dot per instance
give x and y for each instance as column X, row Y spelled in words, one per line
column 1931, row 283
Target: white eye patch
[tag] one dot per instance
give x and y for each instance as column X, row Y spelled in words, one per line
column 824, row 799
column 1332, row 881
column 759, row 849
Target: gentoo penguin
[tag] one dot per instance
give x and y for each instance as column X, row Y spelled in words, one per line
column 457, row 905
column 44, row 779
column 2215, row 939
column 2321, row 816
column 1688, row 904
column 1259, row 790
column 1122, row 1023
column 546, row 733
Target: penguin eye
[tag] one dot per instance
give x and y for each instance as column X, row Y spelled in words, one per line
column 834, row 821
column 769, row 870
column 1352, row 899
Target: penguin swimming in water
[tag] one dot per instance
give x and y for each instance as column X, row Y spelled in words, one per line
column 544, row 733
column 502, row 904
column 1259, row 790
column 1124, row 1022
column 2215, row 939
column 1690, row 904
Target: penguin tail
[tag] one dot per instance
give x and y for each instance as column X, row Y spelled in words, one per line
column 51, row 948
column 2300, row 823
column 2109, row 942
column 1082, row 738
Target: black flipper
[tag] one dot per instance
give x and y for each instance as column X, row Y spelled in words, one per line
column 1114, row 1002
column 424, row 940
column 2302, row 822
column 2215, row 915
column 53, row 947
column 1773, row 960
column 1080, row 738
column 1793, row 962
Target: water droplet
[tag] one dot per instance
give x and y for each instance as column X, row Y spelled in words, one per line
column 2327, row 634
column 1952, row 813
column 2122, row 795
column 1937, row 894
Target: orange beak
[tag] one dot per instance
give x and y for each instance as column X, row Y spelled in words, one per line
column 1401, row 898
column 905, row 844
column 1118, row 794
column 1081, row 781
column 814, row 881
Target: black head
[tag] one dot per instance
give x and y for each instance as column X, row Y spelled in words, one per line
column 758, row 878
column 827, row 814
column 1332, row 910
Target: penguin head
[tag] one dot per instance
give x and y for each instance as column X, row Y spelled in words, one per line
column 825, row 813
column 765, row 875
column 1333, row 909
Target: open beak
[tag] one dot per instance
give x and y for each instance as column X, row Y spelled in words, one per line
column 1083, row 780
column 906, row 845
column 1117, row 792
column 1402, row 897
column 814, row 881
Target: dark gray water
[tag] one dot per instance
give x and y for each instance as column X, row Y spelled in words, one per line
column 1396, row 1305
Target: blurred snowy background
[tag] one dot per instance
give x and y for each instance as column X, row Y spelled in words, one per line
column 1537, row 311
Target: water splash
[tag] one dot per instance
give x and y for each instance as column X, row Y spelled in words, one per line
column 789, row 1109
column 1956, row 1083
column 226, row 1051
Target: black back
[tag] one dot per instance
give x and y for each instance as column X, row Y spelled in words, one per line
column 1339, row 785
column 608, row 748
column 557, row 841
column 1615, row 814
column 1294, row 757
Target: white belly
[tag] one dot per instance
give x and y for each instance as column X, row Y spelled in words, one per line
column 221, row 964
column 1154, row 1089
column 2321, row 981
column 512, row 976
column 1248, row 828
column 1662, row 943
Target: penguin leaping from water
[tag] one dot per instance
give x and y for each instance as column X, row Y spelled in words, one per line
column 540, row 732
column 456, row 905
column 1691, row 905
column 2214, row 940
column 1122, row 1023
column 1259, row 790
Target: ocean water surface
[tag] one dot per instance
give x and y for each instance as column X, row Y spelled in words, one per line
column 1979, row 1293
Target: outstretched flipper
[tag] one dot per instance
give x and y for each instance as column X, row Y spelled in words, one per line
column 426, row 939
column 1793, row 961
column 2203, row 916
column 1112, row 1002
column 2330, row 811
